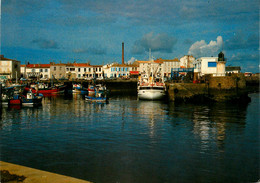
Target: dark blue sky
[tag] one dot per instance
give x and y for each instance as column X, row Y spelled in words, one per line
column 93, row 30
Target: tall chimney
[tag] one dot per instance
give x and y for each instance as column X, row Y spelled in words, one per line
column 122, row 52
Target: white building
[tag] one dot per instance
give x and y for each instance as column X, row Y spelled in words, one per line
column 9, row 69
column 210, row 65
column 116, row 70
column 187, row 61
column 36, row 71
column 167, row 66
column 83, row 71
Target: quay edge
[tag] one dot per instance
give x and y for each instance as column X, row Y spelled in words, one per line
column 35, row 175
column 219, row 89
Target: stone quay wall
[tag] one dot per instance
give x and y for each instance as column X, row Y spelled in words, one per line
column 228, row 88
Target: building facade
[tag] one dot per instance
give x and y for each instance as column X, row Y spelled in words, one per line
column 9, row 69
column 58, row 71
column 210, row 65
column 39, row 71
column 168, row 65
column 187, row 61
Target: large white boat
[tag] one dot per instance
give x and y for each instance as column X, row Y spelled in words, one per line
column 150, row 83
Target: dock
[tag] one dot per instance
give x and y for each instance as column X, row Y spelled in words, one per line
column 31, row 175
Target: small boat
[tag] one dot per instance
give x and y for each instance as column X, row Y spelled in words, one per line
column 99, row 88
column 32, row 99
column 16, row 100
column 78, row 88
column 11, row 96
column 91, row 89
column 99, row 97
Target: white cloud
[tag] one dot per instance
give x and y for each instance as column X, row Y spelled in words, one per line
column 131, row 60
column 202, row 49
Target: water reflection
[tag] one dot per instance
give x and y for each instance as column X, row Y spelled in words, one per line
column 212, row 122
column 133, row 141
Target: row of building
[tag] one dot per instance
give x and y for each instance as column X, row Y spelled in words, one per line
column 10, row 69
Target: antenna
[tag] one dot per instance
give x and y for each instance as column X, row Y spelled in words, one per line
column 150, row 54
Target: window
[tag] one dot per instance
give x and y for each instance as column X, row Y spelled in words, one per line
column 89, row 69
column 72, row 69
column 79, row 75
column 60, row 68
column 85, row 69
column 99, row 69
column 67, row 69
column 54, row 68
column 212, row 64
column 40, row 70
column 33, row 70
column 78, row 69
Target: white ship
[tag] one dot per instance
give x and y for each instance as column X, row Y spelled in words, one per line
column 150, row 83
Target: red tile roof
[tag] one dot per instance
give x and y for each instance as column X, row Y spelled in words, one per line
column 38, row 65
column 81, row 65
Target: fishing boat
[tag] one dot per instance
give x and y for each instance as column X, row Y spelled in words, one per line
column 91, row 90
column 151, row 91
column 150, row 83
column 98, row 97
column 99, row 88
column 31, row 99
column 11, row 96
column 44, row 89
column 78, row 88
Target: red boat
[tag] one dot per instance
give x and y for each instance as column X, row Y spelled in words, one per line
column 46, row 91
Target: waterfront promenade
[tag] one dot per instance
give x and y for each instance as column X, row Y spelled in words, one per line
column 31, row 175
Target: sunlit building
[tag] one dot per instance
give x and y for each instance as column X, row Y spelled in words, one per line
column 9, row 68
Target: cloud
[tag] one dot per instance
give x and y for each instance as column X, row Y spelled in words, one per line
column 240, row 41
column 202, row 49
column 45, row 44
column 132, row 60
column 168, row 11
column 91, row 50
column 22, row 7
column 158, row 43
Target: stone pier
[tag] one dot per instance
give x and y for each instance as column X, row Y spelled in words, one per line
column 31, row 175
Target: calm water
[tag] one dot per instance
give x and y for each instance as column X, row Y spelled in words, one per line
column 135, row 141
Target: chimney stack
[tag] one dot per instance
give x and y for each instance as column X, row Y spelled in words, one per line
column 122, row 52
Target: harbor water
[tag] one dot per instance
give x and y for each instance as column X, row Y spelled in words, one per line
column 128, row 140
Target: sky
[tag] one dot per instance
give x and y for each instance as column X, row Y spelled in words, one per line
column 93, row 30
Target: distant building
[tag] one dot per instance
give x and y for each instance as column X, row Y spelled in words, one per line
column 168, row 65
column 187, row 61
column 233, row 69
column 36, row 71
column 116, row 70
column 9, row 68
column 98, row 71
column 58, row 71
column 210, row 65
